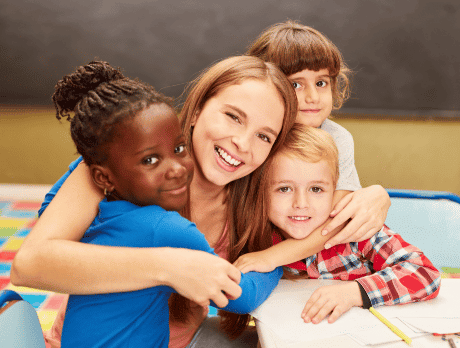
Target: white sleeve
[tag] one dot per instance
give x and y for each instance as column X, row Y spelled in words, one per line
column 348, row 177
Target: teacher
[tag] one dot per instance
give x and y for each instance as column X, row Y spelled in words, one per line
column 235, row 116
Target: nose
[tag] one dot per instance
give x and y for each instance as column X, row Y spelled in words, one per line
column 300, row 200
column 176, row 169
column 311, row 94
column 242, row 141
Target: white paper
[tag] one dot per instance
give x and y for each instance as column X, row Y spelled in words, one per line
column 281, row 313
column 380, row 335
column 434, row 325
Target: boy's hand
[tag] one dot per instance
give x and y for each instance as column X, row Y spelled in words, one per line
column 335, row 299
column 258, row 261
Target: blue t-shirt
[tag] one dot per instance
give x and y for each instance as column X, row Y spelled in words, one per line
column 141, row 318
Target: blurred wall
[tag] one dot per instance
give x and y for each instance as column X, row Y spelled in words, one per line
column 394, row 153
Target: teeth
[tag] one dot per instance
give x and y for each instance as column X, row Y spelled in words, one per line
column 299, row 218
column 227, row 158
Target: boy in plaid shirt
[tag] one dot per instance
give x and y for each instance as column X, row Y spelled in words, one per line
column 296, row 191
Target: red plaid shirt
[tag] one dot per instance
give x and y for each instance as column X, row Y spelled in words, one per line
column 390, row 270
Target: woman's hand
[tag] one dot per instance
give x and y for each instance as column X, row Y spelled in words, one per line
column 366, row 210
column 334, row 299
column 203, row 277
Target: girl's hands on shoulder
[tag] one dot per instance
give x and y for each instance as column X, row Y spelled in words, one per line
column 334, row 299
column 366, row 210
column 203, row 277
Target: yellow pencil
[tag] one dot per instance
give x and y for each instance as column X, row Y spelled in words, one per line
column 391, row 326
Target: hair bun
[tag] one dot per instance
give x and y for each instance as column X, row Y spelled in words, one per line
column 90, row 76
column 73, row 87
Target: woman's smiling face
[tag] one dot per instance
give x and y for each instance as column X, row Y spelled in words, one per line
column 235, row 131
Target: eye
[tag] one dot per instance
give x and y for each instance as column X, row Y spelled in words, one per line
column 284, row 189
column 179, row 149
column 150, row 160
column 316, row 189
column 233, row 117
column 321, row 83
column 296, row 85
column 264, row 137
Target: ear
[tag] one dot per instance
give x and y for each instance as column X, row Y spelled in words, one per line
column 195, row 118
column 102, row 177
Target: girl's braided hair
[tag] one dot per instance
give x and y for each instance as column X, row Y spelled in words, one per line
column 100, row 97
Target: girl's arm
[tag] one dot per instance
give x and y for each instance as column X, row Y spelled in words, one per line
column 283, row 253
column 365, row 211
column 52, row 258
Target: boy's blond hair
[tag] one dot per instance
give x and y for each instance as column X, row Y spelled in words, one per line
column 294, row 47
column 311, row 145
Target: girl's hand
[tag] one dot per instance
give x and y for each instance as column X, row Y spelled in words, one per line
column 258, row 261
column 366, row 209
column 335, row 299
column 202, row 277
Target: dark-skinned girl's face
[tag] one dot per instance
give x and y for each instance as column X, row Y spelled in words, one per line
column 148, row 161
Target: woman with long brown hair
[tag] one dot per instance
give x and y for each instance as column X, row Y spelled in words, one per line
column 235, row 116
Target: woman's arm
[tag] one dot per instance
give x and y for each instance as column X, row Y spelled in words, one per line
column 256, row 287
column 365, row 211
column 52, row 258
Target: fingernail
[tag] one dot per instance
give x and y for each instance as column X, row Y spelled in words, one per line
column 324, row 232
column 327, row 246
column 333, row 212
column 306, row 319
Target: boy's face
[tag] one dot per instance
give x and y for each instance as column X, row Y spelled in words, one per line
column 300, row 195
column 314, row 95
column 148, row 161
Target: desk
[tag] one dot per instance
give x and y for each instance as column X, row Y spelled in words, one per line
column 270, row 339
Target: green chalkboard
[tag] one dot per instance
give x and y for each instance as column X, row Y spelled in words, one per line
column 405, row 53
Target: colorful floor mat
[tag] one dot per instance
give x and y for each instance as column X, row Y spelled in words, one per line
column 16, row 219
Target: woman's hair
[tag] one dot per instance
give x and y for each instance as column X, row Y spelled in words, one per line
column 294, row 47
column 100, row 97
column 228, row 72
